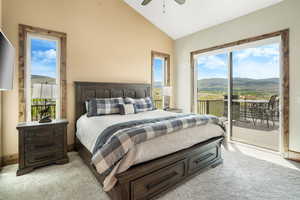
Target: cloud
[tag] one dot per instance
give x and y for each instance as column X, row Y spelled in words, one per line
column 265, row 51
column 257, row 63
column 44, row 70
column 256, row 70
column 43, row 62
column 44, row 57
column 211, row 62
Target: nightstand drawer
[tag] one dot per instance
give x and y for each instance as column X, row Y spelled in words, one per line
column 39, row 132
column 44, row 146
column 44, row 139
column 60, row 130
column 42, row 158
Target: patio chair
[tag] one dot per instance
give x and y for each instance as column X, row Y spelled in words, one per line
column 272, row 109
column 265, row 112
column 255, row 112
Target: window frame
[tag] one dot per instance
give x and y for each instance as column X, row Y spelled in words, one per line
column 167, row 73
column 284, row 69
column 25, row 32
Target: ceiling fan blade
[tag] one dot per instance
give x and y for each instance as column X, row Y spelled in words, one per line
column 145, row 2
column 180, row 1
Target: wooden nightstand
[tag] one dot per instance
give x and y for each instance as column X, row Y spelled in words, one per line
column 175, row 110
column 42, row 144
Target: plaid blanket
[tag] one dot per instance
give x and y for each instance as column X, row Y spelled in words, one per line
column 115, row 141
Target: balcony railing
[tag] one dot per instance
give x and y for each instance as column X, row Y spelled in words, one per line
column 213, row 107
column 38, row 105
column 240, row 110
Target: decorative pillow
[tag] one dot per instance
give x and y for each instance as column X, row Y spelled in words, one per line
column 141, row 105
column 104, row 106
column 126, row 109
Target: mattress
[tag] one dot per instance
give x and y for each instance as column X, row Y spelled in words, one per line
column 89, row 128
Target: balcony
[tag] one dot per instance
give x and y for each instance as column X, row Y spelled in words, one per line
column 249, row 123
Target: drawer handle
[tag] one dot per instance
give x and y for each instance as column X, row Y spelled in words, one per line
column 203, row 158
column 161, row 181
column 44, row 157
column 43, row 145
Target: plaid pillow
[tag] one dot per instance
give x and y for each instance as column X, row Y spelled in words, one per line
column 126, row 109
column 104, row 106
column 141, row 105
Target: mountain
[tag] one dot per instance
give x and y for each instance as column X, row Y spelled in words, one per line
column 220, row 84
column 157, row 84
column 42, row 79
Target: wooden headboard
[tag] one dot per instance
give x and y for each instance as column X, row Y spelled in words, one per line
column 87, row 90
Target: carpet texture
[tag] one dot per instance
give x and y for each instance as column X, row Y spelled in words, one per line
column 241, row 177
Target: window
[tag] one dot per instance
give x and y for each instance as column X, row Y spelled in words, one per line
column 42, row 73
column 212, row 74
column 160, row 78
column 42, row 76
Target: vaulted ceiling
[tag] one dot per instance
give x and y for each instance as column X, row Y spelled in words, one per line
column 180, row 20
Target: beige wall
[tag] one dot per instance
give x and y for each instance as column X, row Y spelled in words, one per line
column 106, row 41
column 281, row 16
column 0, row 96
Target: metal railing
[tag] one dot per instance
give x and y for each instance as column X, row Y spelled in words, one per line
column 38, row 106
column 240, row 111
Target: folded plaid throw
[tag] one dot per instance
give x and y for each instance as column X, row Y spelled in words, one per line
column 115, row 141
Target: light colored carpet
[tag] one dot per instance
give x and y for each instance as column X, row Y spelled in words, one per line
column 240, row 177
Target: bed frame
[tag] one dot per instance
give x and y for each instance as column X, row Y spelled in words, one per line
column 150, row 179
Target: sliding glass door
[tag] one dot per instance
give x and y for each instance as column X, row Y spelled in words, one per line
column 250, row 74
column 255, row 89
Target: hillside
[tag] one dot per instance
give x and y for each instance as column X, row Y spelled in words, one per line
column 259, row 85
column 42, row 79
column 157, row 84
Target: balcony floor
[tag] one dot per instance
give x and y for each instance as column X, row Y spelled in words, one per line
column 260, row 136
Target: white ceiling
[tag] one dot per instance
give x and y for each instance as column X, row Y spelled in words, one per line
column 195, row 15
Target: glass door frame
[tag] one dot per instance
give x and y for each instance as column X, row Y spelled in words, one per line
column 284, row 81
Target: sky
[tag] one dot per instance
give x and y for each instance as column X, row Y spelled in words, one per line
column 158, row 70
column 43, row 57
column 257, row 63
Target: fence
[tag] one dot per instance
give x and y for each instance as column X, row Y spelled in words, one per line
column 213, row 107
column 38, row 105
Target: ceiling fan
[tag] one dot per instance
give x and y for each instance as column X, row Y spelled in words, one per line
column 180, row 2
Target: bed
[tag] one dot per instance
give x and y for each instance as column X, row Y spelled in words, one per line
column 159, row 164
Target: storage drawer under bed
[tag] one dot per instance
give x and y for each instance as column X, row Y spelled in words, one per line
column 150, row 185
column 202, row 159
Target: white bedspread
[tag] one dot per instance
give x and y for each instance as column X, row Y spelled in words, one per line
column 88, row 129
